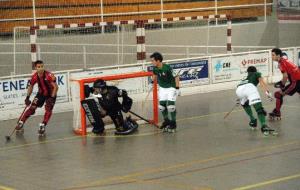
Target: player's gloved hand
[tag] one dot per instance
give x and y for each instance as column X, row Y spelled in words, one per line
column 27, row 101
column 269, row 95
column 178, row 92
column 279, row 85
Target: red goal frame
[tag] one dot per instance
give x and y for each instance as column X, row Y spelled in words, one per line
column 82, row 131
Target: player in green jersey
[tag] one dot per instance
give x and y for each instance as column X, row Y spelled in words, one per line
column 168, row 82
column 248, row 95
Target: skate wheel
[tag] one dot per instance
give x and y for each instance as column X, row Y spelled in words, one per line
column 171, row 130
column 41, row 134
column 274, row 133
column 166, row 129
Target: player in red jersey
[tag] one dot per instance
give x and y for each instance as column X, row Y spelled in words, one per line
column 47, row 91
column 291, row 73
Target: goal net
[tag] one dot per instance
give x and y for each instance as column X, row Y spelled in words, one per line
column 145, row 102
column 84, row 45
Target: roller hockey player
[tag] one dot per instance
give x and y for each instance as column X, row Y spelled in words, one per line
column 168, row 82
column 104, row 102
column 290, row 72
column 47, row 91
column 248, row 95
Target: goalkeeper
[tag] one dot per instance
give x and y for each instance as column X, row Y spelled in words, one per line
column 105, row 102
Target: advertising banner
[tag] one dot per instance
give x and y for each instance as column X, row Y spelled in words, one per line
column 288, row 10
column 13, row 91
column 225, row 69
column 193, row 72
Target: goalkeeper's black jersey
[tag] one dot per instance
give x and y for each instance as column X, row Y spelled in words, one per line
column 109, row 101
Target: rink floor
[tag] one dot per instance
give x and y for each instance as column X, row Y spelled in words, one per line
column 206, row 153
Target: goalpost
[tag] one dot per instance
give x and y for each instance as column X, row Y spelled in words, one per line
column 72, row 43
column 134, row 83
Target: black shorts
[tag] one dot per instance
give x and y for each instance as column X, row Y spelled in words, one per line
column 294, row 90
column 39, row 100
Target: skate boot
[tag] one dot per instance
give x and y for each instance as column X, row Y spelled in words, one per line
column 19, row 128
column 253, row 124
column 275, row 115
column 165, row 125
column 172, row 127
column 42, row 129
column 268, row 131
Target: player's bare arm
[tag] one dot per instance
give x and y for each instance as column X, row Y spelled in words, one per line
column 284, row 78
column 55, row 89
column 177, row 81
column 29, row 90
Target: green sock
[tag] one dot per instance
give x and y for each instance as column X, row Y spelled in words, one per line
column 249, row 112
column 165, row 112
column 261, row 116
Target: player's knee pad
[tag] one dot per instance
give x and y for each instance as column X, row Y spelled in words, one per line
column 93, row 114
column 171, row 108
column 161, row 108
column 260, row 109
column 278, row 95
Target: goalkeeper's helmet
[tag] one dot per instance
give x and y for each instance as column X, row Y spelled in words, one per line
column 99, row 84
column 251, row 69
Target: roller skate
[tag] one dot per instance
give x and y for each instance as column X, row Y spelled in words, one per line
column 253, row 124
column 268, row 131
column 19, row 128
column 42, row 129
column 164, row 126
column 172, row 127
column 97, row 132
column 275, row 115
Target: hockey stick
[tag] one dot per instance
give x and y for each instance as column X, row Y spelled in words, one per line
column 8, row 137
column 228, row 113
column 148, row 121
